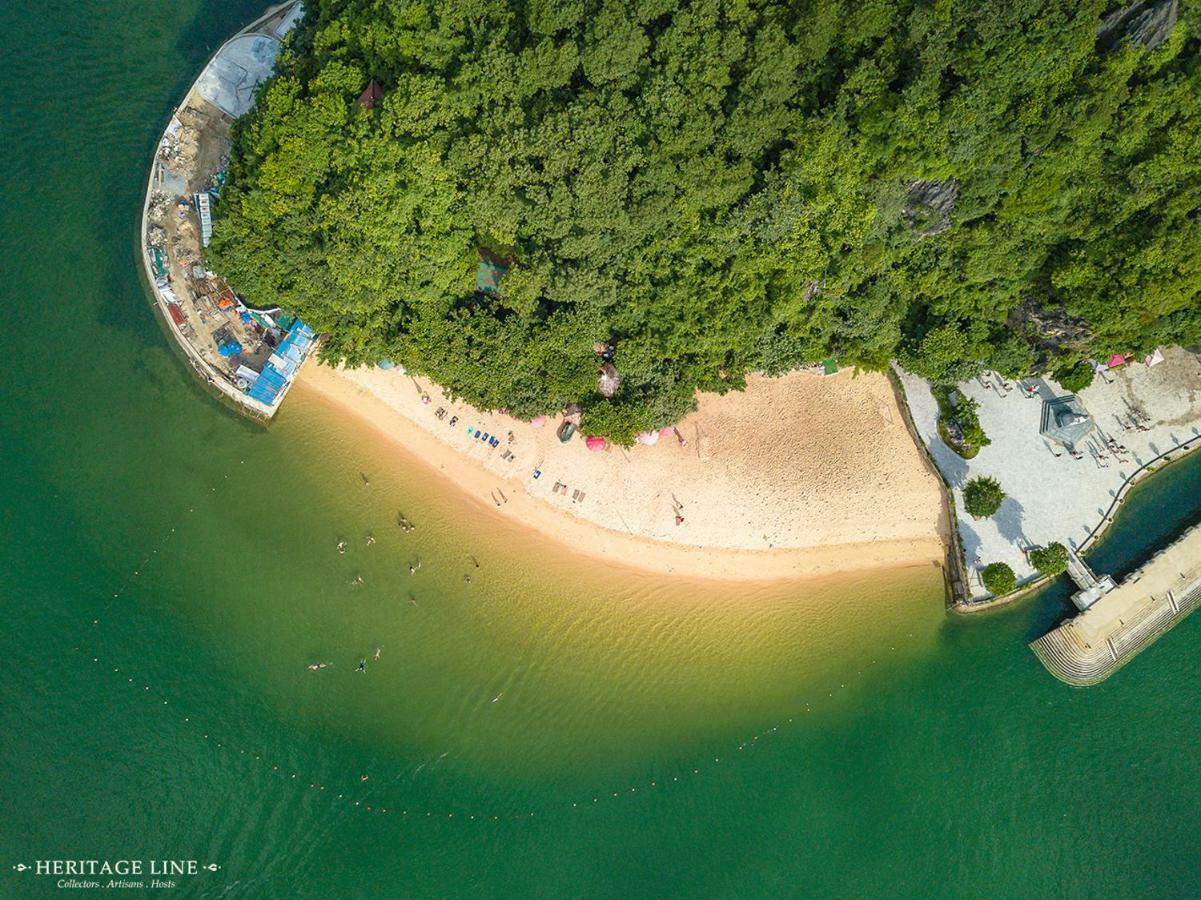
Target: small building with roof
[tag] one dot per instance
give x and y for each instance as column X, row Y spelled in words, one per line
column 1066, row 422
column 371, row 96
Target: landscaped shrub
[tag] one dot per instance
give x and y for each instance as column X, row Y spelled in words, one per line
column 998, row 579
column 982, row 497
column 1049, row 560
column 958, row 424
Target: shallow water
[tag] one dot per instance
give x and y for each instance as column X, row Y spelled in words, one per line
column 554, row 726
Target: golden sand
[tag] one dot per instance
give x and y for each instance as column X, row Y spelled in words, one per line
column 795, row 476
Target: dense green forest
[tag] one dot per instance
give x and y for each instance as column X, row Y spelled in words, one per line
column 719, row 187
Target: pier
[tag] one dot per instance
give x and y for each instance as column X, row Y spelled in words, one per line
column 1116, row 624
column 1091, row 587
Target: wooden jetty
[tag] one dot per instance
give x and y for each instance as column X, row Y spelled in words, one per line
column 1116, row 622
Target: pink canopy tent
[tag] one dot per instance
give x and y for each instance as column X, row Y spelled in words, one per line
column 538, row 422
column 1118, row 359
column 647, row 437
column 595, row 444
column 1155, row 358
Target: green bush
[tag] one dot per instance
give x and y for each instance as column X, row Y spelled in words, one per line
column 1076, row 377
column 1049, row 560
column 998, row 579
column 982, row 497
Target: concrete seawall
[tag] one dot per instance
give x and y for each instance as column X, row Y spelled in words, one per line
column 213, row 377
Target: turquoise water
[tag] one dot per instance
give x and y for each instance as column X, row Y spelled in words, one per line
column 837, row 737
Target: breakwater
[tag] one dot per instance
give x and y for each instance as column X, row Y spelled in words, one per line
column 1093, row 645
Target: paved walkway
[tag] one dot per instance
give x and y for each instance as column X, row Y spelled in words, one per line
column 1050, row 497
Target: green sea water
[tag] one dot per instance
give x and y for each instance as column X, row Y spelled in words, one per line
column 552, row 726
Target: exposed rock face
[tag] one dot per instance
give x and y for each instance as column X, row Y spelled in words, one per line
column 1147, row 23
column 929, row 205
column 1051, row 327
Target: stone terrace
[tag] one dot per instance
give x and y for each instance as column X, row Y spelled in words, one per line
column 1057, row 497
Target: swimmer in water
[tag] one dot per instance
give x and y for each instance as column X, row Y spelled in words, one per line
column 370, row 539
column 498, row 696
column 377, row 652
column 413, row 567
column 362, row 666
column 358, row 579
column 341, row 546
column 313, row 667
column 467, row 577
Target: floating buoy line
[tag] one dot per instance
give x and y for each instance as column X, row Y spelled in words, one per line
column 356, row 796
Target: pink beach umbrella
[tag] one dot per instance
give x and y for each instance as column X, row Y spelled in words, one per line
column 1118, row 360
column 595, row 444
column 647, row 437
column 538, row 422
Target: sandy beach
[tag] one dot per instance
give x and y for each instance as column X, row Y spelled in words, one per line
column 796, row 476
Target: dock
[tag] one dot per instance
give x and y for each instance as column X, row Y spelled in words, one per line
column 250, row 355
column 1116, row 624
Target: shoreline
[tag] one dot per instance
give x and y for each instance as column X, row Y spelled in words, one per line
column 790, row 478
column 477, row 480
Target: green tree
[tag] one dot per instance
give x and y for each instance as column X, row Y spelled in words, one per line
column 982, row 497
column 1049, row 560
column 998, row 579
column 719, row 188
column 1075, row 377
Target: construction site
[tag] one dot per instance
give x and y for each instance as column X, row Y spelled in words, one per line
column 250, row 354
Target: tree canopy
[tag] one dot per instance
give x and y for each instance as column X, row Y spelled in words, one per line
column 719, row 187
column 1050, row 560
column 998, row 579
column 982, row 497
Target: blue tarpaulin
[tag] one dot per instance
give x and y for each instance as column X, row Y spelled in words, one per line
column 282, row 365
